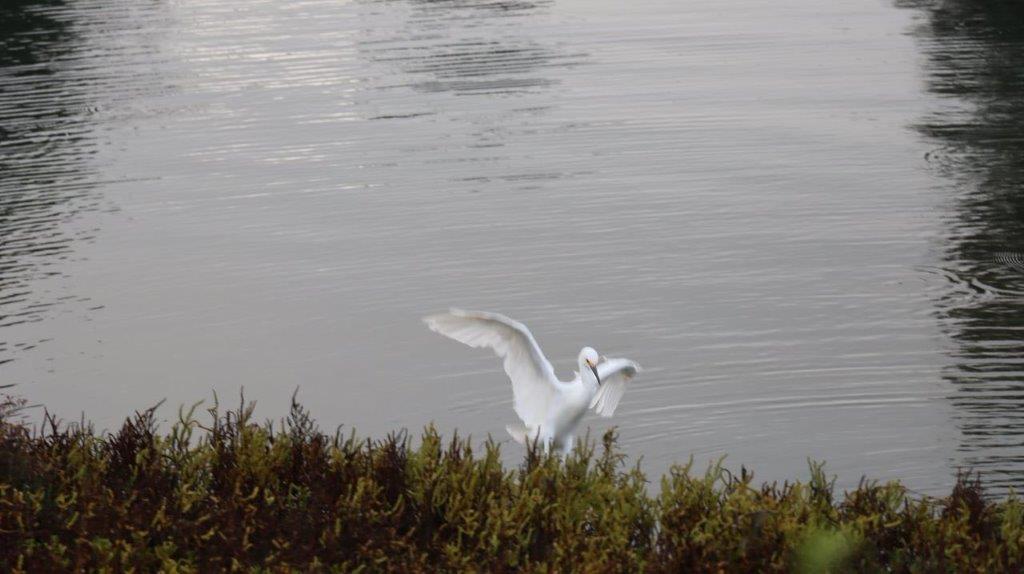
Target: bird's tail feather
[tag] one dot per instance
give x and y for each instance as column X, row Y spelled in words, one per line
column 521, row 433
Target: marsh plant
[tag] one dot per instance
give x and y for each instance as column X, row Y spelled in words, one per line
column 234, row 494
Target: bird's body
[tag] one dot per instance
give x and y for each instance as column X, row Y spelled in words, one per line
column 550, row 409
column 564, row 414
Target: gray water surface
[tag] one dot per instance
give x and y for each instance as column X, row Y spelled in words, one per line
column 804, row 219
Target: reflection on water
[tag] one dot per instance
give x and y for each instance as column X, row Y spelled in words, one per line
column 479, row 51
column 975, row 64
column 45, row 178
column 441, row 42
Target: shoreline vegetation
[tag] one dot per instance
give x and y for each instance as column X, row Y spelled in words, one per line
column 231, row 494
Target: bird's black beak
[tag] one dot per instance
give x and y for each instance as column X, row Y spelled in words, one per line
column 596, row 376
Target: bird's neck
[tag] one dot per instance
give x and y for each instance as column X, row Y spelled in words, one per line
column 587, row 378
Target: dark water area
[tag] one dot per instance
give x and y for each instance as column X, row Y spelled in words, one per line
column 804, row 220
column 44, row 146
column 974, row 63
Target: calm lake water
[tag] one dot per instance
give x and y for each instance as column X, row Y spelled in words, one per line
column 805, row 219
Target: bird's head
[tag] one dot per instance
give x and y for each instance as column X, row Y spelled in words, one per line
column 589, row 359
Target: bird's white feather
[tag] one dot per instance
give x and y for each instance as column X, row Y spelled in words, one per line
column 534, row 384
column 522, row 434
column 614, row 374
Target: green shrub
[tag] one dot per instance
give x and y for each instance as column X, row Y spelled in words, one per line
column 237, row 495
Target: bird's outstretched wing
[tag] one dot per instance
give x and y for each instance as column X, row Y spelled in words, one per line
column 533, row 380
column 615, row 374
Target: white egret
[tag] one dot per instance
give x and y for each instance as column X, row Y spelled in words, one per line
column 550, row 409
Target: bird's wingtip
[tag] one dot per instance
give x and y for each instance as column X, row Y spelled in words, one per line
column 436, row 322
column 451, row 311
column 432, row 321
